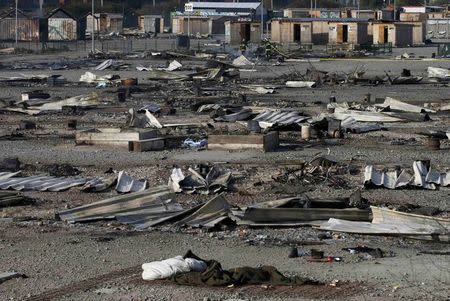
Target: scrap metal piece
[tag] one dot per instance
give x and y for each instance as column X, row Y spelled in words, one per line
column 10, row 198
column 439, row 74
column 209, row 215
column 215, row 181
column 253, row 215
column 300, row 84
column 41, row 183
column 398, row 105
column 175, row 178
column 105, row 65
column 238, row 114
column 423, row 177
column 83, row 101
column 365, row 116
column 390, row 222
column 7, row 175
column 349, row 124
column 270, row 118
column 174, row 65
column 153, row 200
column 125, row 183
column 4, row 276
column 99, row 184
column 89, row 77
column 242, row 61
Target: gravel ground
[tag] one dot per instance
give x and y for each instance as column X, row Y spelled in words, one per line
column 80, row 262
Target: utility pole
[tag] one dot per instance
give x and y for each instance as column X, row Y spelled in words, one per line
column 17, row 27
column 93, row 29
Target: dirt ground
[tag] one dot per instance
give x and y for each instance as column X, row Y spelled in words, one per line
column 102, row 260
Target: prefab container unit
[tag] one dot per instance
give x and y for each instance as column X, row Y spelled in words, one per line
column 114, row 22
column 151, row 23
column 320, row 32
column 27, row 27
column 95, row 24
column 365, row 14
column 295, row 13
column 327, row 13
column 291, row 31
column 218, row 23
column 438, row 29
column 437, row 15
column 412, row 17
column 385, row 14
column 105, row 23
column 60, row 26
column 194, row 25
column 419, row 33
column 343, row 32
column 237, row 31
column 399, row 34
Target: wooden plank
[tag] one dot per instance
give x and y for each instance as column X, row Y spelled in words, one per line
column 271, row 142
column 154, row 144
column 268, row 142
column 113, row 137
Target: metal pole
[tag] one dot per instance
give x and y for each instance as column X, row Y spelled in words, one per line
column 262, row 20
column 17, row 28
column 395, row 13
column 189, row 25
column 359, row 2
column 93, row 29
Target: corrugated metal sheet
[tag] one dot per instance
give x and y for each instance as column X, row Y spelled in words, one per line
column 279, row 117
column 210, row 214
column 62, row 29
column 8, row 180
column 41, row 183
column 423, row 176
column 149, row 208
column 134, row 208
column 9, row 198
column 28, row 29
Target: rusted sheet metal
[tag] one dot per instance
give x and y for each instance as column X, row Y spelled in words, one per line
column 62, row 29
column 28, row 29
